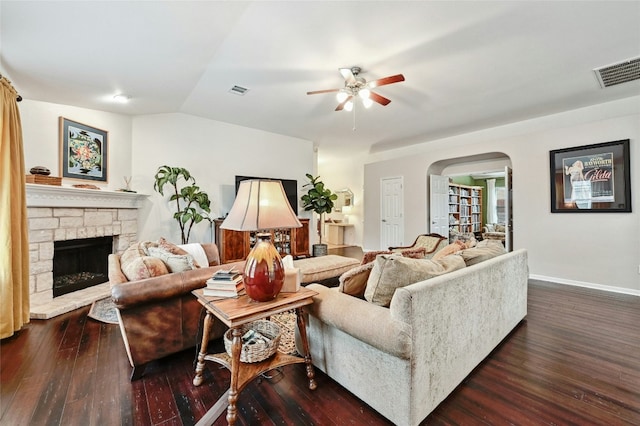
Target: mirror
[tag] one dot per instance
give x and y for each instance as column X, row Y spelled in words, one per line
column 345, row 199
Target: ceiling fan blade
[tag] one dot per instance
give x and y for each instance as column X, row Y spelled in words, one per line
column 348, row 75
column 386, row 80
column 379, row 99
column 341, row 105
column 316, row 92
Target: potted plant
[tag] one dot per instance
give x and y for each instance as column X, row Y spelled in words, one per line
column 192, row 204
column 320, row 200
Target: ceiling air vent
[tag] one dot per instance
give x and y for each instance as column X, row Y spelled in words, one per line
column 238, row 90
column 622, row 72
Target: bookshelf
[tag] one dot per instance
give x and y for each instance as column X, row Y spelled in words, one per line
column 465, row 208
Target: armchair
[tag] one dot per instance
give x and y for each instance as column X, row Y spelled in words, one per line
column 431, row 242
column 493, row 231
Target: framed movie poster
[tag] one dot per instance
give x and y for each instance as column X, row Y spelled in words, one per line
column 83, row 151
column 591, row 178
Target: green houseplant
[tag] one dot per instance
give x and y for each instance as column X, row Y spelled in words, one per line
column 318, row 199
column 192, row 204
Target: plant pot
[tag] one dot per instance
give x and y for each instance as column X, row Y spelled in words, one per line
column 319, row 250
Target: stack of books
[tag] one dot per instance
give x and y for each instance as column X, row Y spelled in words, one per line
column 224, row 284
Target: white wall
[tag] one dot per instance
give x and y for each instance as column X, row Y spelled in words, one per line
column 598, row 249
column 40, row 133
column 214, row 153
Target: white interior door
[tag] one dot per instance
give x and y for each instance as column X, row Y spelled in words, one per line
column 508, row 203
column 391, row 212
column 439, row 205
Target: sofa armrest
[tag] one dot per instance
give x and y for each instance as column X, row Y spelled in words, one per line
column 365, row 321
column 213, row 255
column 115, row 270
column 133, row 293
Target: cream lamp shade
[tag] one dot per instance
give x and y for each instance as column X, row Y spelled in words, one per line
column 260, row 205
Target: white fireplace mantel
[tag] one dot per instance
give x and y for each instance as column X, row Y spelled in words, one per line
column 62, row 196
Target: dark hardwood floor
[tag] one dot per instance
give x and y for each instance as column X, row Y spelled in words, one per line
column 575, row 360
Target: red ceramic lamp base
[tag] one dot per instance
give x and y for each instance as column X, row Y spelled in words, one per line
column 264, row 272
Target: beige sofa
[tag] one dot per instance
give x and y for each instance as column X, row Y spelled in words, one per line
column 404, row 360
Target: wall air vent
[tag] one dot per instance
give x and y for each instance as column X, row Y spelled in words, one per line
column 622, row 72
column 238, row 90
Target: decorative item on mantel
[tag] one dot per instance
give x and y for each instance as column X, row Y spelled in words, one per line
column 85, row 186
column 127, row 188
column 40, row 175
column 262, row 205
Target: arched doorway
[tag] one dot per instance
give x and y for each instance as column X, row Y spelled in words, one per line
column 489, row 171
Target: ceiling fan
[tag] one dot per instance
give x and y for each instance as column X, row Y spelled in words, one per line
column 358, row 86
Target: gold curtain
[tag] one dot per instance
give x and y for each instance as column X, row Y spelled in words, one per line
column 14, row 235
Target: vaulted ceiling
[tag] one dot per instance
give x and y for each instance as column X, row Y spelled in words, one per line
column 468, row 65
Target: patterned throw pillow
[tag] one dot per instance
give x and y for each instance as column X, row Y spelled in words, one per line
column 143, row 267
column 174, row 262
column 136, row 265
column 394, row 271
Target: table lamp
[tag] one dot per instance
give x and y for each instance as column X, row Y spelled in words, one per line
column 262, row 205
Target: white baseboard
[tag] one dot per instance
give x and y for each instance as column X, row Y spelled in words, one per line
column 612, row 289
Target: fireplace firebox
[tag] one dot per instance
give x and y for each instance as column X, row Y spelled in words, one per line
column 79, row 264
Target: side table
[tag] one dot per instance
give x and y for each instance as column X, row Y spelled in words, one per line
column 235, row 312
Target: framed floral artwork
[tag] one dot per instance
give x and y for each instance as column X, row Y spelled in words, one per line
column 83, row 151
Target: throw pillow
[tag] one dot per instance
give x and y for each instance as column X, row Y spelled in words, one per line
column 452, row 248
column 370, row 256
column 144, row 246
column 416, row 253
column 142, row 267
column 484, row 250
column 354, row 281
column 132, row 252
column 393, row 271
column 174, row 262
column 170, row 247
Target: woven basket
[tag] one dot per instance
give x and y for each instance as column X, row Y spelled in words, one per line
column 260, row 350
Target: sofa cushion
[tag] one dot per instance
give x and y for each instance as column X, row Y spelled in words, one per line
column 484, row 250
column 395, row 271
column 354, row 281
column 141, row 267
column 174, row 262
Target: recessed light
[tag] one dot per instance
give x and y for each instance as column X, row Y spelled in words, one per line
column 120, row 98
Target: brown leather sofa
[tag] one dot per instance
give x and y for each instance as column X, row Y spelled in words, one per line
column 159, row 316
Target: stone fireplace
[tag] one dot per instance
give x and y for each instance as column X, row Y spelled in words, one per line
column 62, row 214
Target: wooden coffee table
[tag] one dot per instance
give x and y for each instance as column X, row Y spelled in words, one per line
column 235, row 312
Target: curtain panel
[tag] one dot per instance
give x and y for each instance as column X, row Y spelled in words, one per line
column 14, row 236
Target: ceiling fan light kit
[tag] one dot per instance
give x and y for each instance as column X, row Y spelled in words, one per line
column 356, row 86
